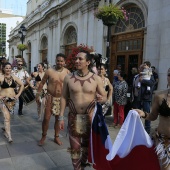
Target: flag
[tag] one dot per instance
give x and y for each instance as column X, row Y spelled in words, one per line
column 100, row 142
column 133, row 149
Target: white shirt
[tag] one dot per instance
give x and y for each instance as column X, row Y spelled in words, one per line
column 22, row 75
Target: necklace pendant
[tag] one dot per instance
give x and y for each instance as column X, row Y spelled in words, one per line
column 81, row 75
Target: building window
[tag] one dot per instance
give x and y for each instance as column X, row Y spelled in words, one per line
column 2, row 38
column 71, row 36
column 135, row 20
column 44, row 43
column 129, row 45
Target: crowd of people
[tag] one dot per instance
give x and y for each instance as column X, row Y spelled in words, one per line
column 56, row 88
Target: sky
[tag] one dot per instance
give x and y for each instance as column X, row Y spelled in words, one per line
column 18, row 7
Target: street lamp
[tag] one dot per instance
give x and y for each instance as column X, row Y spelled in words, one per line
column 108, row 47
column 3, row 45
column 22, row 33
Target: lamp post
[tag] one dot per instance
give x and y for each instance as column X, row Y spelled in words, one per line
column 108, row 47
column 22, row 33
column 3, row 45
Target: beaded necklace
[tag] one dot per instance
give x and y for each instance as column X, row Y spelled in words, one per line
column 81, row 75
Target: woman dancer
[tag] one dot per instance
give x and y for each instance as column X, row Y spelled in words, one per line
column 161, row 108
column 8, row 83
column 107, row 86
column 38, row 77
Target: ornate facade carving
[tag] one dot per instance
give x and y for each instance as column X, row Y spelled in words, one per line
column 52, row 24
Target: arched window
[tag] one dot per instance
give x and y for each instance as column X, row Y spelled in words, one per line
column 44, row 43
column 71, row 36
column 29, row 47
column 12, row 53
column 135, row 20
column 70, row 40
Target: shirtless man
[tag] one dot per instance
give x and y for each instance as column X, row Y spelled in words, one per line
column 161, row 110
column 79, row 90
column 55, row 78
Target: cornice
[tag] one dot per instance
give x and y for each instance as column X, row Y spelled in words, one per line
column 88, row 5
column 39, row 9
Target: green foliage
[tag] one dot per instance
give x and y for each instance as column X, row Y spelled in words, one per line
column 112, row 10
column 22, row 47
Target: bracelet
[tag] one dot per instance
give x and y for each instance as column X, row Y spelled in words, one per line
column 61, row 118
column 146, row 114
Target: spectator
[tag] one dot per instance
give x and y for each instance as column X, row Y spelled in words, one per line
column 155, row 75
column 115, row 76
column 141, row 97
column 145, row 75
column 120, row 100
column 129, row 106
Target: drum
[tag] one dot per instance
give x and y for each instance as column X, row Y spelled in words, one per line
column 27, row 95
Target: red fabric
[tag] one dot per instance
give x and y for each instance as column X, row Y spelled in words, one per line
column 100, row 153
column 140, row 158
column 118, row 113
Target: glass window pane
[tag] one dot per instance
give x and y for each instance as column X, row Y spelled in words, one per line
column 139, row 44
column 123, row 45
column 119, row 46
column 136, row 18
column 134, row 44
column 130, row 45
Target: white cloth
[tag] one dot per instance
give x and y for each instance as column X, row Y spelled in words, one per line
column 131, row 134
column 21, row 74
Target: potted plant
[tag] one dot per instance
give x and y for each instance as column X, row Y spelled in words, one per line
column 22, row 47
column 110, row 14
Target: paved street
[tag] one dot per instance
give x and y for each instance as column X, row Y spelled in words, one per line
column 25, row 154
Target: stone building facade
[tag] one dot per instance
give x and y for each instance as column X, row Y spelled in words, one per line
column 7, row 22
column 55, row 26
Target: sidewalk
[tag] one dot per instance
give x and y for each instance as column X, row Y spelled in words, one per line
column 25, row 154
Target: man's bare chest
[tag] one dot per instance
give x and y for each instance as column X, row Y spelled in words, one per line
column 82, row 87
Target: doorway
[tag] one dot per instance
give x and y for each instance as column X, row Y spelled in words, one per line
column 128, row 61
column 127, row 51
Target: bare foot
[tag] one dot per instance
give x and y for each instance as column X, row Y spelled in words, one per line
column 41, row 142
column 57, row 140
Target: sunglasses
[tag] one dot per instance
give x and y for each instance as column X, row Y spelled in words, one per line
column 20, row 64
